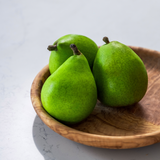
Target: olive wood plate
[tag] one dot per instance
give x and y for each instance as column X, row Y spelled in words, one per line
column 114, row 128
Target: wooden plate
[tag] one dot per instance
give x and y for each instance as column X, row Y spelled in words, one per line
column 114, row 128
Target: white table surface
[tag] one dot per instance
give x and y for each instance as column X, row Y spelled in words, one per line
column 26, row 29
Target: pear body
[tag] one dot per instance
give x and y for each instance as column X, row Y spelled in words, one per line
column 86, row 46
column 70, row 93
column 120, row 75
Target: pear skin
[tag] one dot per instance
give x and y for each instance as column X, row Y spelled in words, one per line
column 70, row 93
column 61, row 51
column 120, row 75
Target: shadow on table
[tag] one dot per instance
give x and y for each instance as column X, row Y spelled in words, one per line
column 55, row 147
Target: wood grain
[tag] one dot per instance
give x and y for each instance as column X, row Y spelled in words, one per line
column 117, row 128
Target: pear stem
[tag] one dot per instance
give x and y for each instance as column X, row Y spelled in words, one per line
column 52, row 47
column 75, row 49
column 106, row 40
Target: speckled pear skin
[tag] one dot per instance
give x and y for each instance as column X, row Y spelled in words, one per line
column 120, row 75
column 86, row 46
column 70, row 93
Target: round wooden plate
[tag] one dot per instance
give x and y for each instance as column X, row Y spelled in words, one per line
column 114, row 128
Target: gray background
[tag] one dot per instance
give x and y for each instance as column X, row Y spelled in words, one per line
column 26, row 29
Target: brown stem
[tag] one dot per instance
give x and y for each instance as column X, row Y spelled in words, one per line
column 52, row 47
column 106, row 40
column 75, row 49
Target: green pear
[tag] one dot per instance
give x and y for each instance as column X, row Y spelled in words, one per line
column 61, row 51
column 70, row 93
column 120, row 75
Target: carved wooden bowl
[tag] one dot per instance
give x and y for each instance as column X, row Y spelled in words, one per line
column 114, row 128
